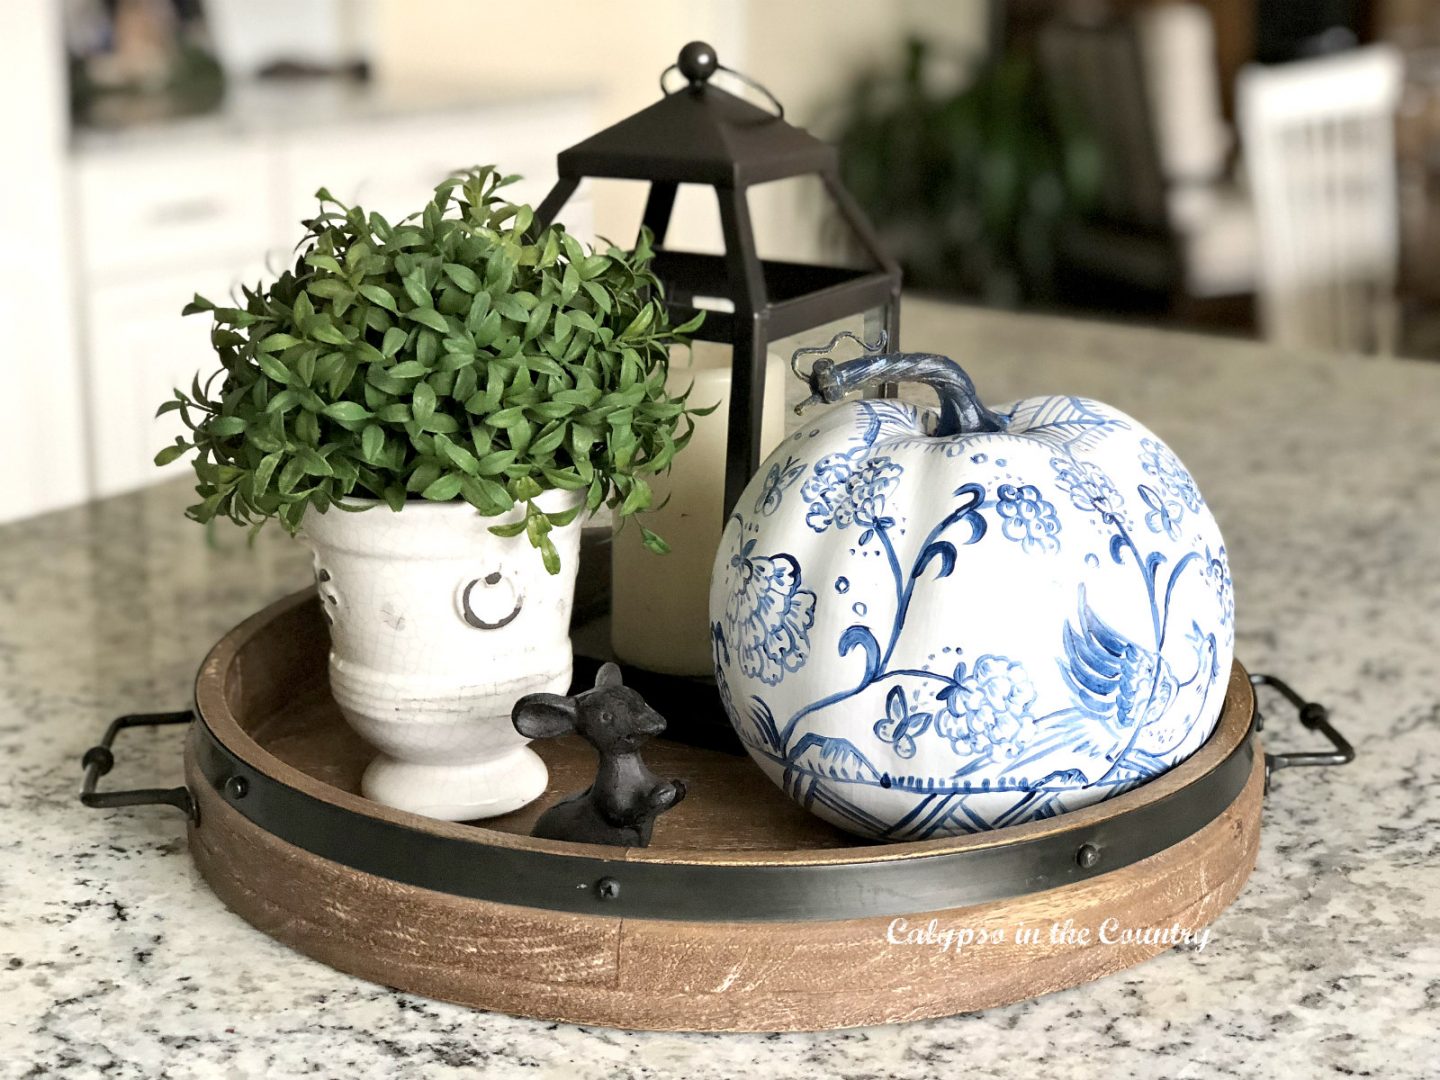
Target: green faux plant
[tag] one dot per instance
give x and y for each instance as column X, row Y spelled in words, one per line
column 970, row 187
column 451, row 356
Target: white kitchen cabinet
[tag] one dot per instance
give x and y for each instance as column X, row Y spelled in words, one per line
column 138, row 350
column 209, row 205
column 158, row 208
column 41, row 436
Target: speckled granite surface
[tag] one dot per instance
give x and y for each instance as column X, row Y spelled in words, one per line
column 116, row 960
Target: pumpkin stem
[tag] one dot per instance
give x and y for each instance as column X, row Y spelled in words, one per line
column 961, row 412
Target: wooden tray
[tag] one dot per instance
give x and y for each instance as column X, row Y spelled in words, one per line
column 746, row 914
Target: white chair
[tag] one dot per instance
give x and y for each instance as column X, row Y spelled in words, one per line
column 1145, row 91
column 1211, row 216
column 1318, row 140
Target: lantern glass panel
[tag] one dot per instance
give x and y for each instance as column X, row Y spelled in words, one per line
column 867, row 325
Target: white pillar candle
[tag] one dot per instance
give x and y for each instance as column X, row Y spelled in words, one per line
column 660, row 603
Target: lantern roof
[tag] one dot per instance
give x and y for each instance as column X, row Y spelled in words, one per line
column 699, row 134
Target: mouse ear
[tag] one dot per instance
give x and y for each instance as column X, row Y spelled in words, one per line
column 608, row 675
column 543, row 716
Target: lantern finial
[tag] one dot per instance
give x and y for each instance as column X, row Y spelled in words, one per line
column 697, row 63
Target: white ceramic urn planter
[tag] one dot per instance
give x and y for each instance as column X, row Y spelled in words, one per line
column 437, row 627
column 934, row 625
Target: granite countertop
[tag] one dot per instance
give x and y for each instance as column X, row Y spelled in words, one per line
column 1324, row 473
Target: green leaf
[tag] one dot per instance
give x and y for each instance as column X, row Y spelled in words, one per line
column 428, row 317
column 395, row 339
column 599, row 295
column 592, row 267
column 462, row 458
column 283, row 402
column 350, row 412
column 425, row 474
column 330, row 289
column 321, row 261
column 170, row 453
column 273, row 367
column 396, row 413
column 414, row 285
column 564, row 517
column 639, row 324
column 538, row 321
column 689, row 326
column 312, row 463
column 290, row 476
column 223, row 427
column 513, row 529
column 372, row 443
column 376, row 295
column 549, row 556
column 654, row 542
column 423, row 404
column 260, row 483
column 276, row 342
column 303, row 311
column 489, row 329
column 638, row 499
column 444, row 489
column 524, row 488
column 305, row 367
column 496, row 462
column 463, row 276
column 505, row 418
column 426, row 346
column 329, row 334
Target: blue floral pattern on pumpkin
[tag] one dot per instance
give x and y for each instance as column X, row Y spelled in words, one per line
column 1027, row 518
column 849, row 489
column 901, row 725
column 1160, row 462
column 768, row 616
column 1164, row 514
column 1088, row 486
column 988, row 707
column 777, row 480
column 1128, row 703
column 1217, row 571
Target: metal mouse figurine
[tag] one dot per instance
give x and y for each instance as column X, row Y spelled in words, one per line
column 621, row 806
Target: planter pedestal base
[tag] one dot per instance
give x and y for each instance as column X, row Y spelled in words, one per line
column 457, row 792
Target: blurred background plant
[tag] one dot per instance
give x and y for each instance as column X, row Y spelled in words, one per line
column 967, row 185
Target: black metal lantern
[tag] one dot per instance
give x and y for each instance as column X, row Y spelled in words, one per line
column 700, row 134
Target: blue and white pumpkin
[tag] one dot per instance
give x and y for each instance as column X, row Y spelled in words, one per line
column 927, row 625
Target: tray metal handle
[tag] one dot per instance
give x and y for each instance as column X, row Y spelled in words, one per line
column 1314, row 716
column 100, row 759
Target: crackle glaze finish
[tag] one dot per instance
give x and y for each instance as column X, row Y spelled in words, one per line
column 437, row 627
column 918, row 636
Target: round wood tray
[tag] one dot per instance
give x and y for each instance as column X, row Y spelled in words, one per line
column 746, row 913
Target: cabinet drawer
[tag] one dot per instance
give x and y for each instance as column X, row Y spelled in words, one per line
column 168, row 208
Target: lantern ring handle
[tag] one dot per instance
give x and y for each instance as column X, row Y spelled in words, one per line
column 746, row 79
column 879, row 345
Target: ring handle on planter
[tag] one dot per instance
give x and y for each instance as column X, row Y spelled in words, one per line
column 1315, row 717
column 99, row 760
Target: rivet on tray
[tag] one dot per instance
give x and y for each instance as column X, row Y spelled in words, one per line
column 607, row 888
column 236, row 787
column 1088, row 856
